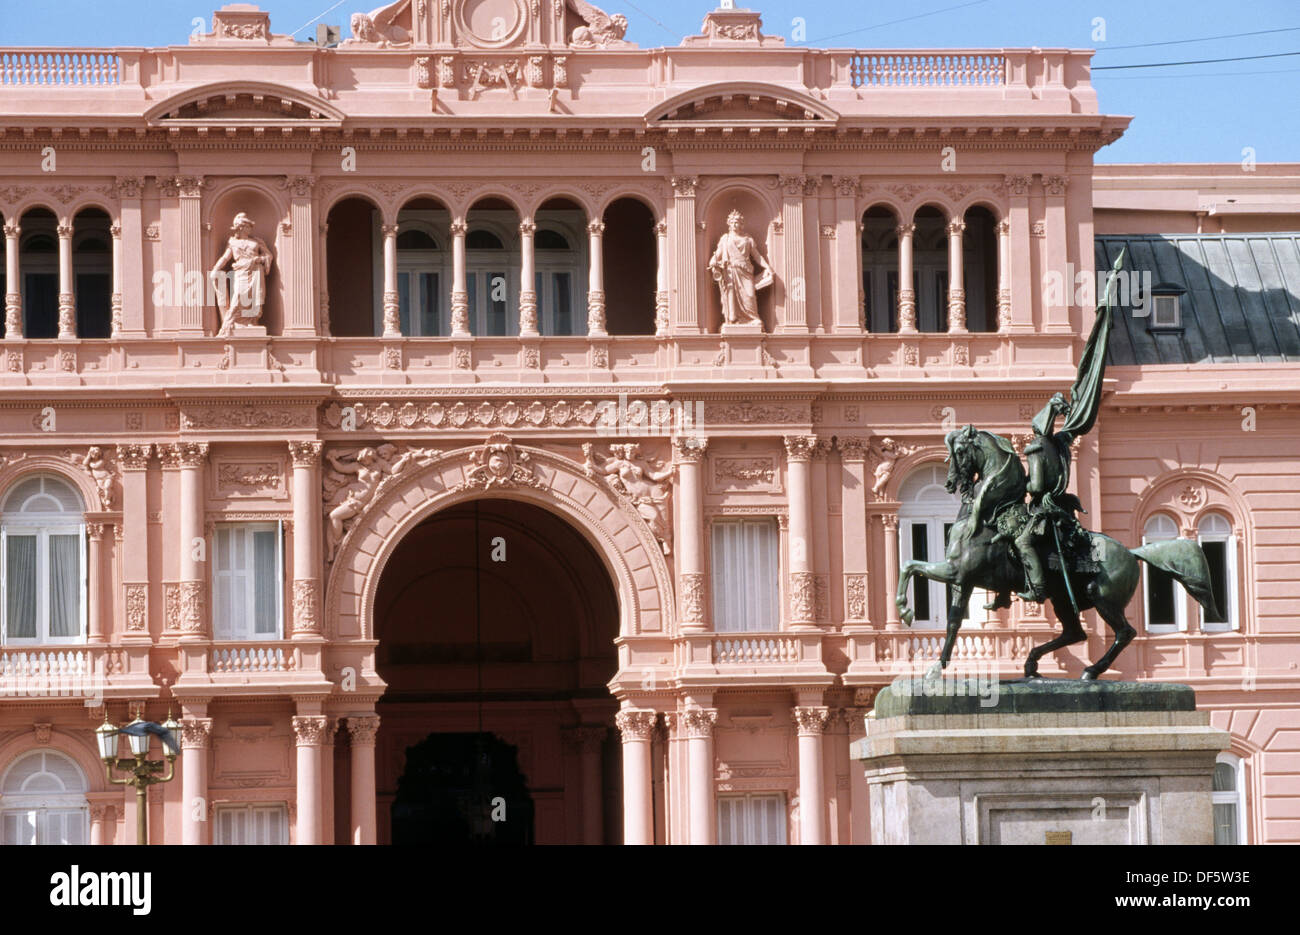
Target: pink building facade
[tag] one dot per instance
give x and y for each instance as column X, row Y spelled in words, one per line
column 452, row 503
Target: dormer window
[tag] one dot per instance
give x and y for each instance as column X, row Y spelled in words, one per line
column 1166, row 311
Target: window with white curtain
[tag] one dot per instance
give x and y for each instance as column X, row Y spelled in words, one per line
column 1162, row 603
column 43, row 569
column 1220, row 546
column 251, row 824
column 752, row 819
column 1229, row 798
column 925, row 519
column 43, row 801
column 248, row 575
column 746, row 575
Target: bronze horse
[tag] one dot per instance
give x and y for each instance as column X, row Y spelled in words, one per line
column 986, row 471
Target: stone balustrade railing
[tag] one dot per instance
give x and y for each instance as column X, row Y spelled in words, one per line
column 254, row 657
column 751, row 650
column 955, row 69
column 60, row 67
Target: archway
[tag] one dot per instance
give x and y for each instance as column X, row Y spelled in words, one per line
column 496, row 622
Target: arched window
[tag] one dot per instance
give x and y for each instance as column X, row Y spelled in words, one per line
column 1229, row 798
column 43, row 540
column 1163, row 606
column 43, row 801
column 557, row 264
column 1220, row 547
column 925, row 519
column 419, row 269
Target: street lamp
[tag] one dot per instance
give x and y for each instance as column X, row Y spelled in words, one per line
column 142, row 772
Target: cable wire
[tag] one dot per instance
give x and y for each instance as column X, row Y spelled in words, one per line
column 1200, row 61
column 1231, row 35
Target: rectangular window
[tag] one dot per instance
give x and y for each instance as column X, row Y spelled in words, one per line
column 251, row 824
column 44, row 584
column 563, row 303
column 746, row 576
column 471, row 297
column 1220, row 554
column 44, row 826
column 429, row 311
column 1165, row 312
column 496, row 310
column 920, row 536
column 1160, row 598
column 751, row 819
column 41, row 305
column 248, row 575
column 404, row 301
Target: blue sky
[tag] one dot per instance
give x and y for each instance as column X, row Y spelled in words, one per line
column 1195, row 113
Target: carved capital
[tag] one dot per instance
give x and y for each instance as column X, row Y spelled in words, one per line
column 128, row 186
column 362, row 730
column 527, row 227
column 196, row 733
column 847, row 186
column 12, row 230
column 684, row 185
column 955, row 227
column 852, row 448
column 636, row 724
column 300, row 185
column 698, row 722
column 811, row 721
column 596, row 227
column 1055, row 184
column 304, row 454
column 1003, row 227
column 801, row 447
column 310, row 731
column 134, row 457
column 191, row 454
column 64, row 230
column 458, row 227
column 689, row 449
column 388, row 230
column 1016, row 184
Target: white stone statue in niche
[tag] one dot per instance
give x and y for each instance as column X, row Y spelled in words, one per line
column 379, row 26
column 733, row 266
column 241, row 292
column 601, row 31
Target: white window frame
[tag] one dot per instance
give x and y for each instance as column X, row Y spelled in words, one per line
column 1237, row 797
column 223, row 633
column 248, row 811
column 934, row 507
column 1166, row 303
column 1180, row 597
column 750, row 800
column 1229, row 539
column 547, row 264
column 39, row 805
column 719, row 593
column 43, row 524
column 414, row 262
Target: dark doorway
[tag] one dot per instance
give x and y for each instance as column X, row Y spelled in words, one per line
column 462, row 789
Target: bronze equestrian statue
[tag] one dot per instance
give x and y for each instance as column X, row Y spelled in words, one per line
column 1038, row 548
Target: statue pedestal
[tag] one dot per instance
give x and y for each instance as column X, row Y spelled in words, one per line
column 241, row 330
column 1039, row 761
column 749, row 327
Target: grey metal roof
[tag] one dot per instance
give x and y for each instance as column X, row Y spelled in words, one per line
column 1242, row 303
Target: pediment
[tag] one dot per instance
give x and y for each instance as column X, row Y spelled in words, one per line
column 741, row 103
column 244, row 103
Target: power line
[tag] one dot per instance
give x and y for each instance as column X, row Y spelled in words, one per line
column 1201, row 74
column 316, row 17
column 1231, row 35
column 894, row 22
column 1201, row 61
column 670, row 32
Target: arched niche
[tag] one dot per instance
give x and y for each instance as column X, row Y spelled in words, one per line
column 266, row 216
column 759, row 216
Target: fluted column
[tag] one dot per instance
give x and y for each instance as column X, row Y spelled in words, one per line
column 1004, row 275
column 1057, row 316
column 115, row 302
column 853, row 542
column 189, row 242
column 799, row 450
column 299, row 256
column 661, row 279
column 684, row 283
column 698, row 724
column 811, row 723
column 956, row 278
column 361, row 732
column 128, row 283
column 196, row 737
column 192, row 458
column 692, row 591
column 459, row 295
column 67, row 300
column 133, row 461
column 794, row 316
column 527, row 279
column 890, row 522
column 906, row 294
column 309, row 735
column 306, row 538
column 596, row 278
column 13, row 282
column 392, row 311
column 848, row 256
column 637, row 725
column 1019, row 263
column 96, row 610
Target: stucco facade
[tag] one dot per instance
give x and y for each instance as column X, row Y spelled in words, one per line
column 395, row 505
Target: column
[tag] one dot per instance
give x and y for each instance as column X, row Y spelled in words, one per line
column 906, row 292
column 890, row 521
column 190, row 241
column 99, row 817
column 196, row 737
column 459, row 295
column 799, row 451
column 115, row 328
column 637, row 725
column 133, row 461
column 96, row 610
column 848, row 256
column 596, row 279
column 1019, row 264
column 853, row 493
column 698, row 723
column 692, row 592
column 527, row 279
column 956, row 278
column 13, row 293
column 661, row 279
column 299, row 276
column 684, row 285
column 129, row 286
column 323, row 280
column 811, row 723
column 305, row 457
column 192, row 457
column 1057, row 316
column 309, row 735
column 1004, row 275
column 67, row 301
column 591, row 742
column 361, row 732
column 392, row 311
column 794, row 316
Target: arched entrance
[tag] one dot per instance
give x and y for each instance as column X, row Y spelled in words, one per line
column 495, row 622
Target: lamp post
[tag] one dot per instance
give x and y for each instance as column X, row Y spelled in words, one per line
column 141, row 771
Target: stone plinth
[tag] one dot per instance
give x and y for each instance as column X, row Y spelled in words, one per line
column 1039, row 761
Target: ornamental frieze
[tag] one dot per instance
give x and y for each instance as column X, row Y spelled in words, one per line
column 250, row 478
column 247, row 417
column 622, row 416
